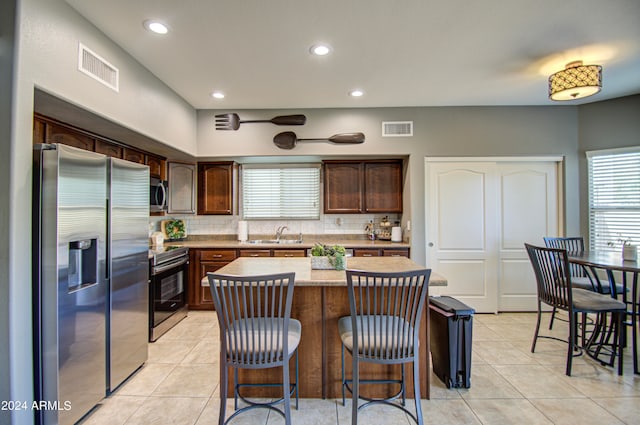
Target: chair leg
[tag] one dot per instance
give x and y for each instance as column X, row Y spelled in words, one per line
column 553, row 316
column 571, row 342
column 224, row 387
column 297, row 382
column 621, row 340
column 402, row 386
column 236, row 389
column 343, row 378
column 286, row 390
column 535, row 335
column 355, row 393
column 584, row 330
column 416, row 390
column 634, row 337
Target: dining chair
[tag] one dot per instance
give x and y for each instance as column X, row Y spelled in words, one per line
column 554, row 288
column 256, row 332
column 383, row 327
column 580, row 276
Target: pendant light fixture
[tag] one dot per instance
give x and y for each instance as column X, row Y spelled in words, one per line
column 575, row 81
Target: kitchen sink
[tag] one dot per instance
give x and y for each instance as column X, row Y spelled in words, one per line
column 274, row 241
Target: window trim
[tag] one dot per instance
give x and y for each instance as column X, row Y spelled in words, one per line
column 634, row 237
column 249, row 166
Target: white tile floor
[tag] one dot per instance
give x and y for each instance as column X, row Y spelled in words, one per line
column 510, row 385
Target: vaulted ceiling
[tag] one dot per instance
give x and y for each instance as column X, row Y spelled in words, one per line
column 400, row 53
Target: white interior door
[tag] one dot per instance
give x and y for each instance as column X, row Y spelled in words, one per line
column 462, row 199
column 479, row 214
column 528, row 193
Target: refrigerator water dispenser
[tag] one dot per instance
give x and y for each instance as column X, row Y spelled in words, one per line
column 83, row 263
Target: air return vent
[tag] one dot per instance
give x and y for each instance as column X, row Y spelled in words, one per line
column 96, row 67
column 397, row 128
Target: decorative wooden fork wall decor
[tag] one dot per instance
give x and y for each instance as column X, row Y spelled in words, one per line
column 233, row 121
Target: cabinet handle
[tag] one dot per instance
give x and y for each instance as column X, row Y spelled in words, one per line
column 217, row 255
column 253, row 255
column 367, row 255
column 288, row 255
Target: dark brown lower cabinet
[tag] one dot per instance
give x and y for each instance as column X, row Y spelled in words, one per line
column 382, row 252
column 204, row 261
column 289, row 252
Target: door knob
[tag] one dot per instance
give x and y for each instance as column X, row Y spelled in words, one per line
column 430, row 244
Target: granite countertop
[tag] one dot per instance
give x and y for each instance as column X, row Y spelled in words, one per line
column 308, row 241
column 305, row 276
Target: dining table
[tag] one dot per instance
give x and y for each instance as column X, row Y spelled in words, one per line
column 613, row 263
column 320, row 299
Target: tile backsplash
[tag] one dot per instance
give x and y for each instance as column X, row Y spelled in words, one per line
column 228, row 225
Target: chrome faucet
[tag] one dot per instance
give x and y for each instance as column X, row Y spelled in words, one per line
column 280, row 231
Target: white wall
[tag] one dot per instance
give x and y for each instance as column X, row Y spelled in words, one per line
column 7, row 335
column 50, row 34
column 46, row 58
column 605, row 125
column 438, row 131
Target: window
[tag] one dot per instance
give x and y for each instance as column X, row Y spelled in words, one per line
column 281, row 191
column 614, row 198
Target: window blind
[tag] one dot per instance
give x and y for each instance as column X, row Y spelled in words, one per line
column 614, row 198
column 281, row 191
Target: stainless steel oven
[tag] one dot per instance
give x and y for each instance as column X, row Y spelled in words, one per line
column 169, row 272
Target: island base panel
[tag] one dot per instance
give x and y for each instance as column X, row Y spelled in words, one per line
column 319, row 309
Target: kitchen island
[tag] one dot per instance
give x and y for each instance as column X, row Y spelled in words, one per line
column 209, row 253
column 319, row 300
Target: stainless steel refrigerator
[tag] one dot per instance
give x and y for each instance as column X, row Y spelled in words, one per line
column 90, row 277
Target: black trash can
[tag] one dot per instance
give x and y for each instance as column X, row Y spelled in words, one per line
column 451, row 323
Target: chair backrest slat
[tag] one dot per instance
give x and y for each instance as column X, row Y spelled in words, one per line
column 553, row 278
column 253, row 314
column 573, row 244
column 386, row 312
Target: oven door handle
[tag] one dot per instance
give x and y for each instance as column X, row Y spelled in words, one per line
column 164, row 267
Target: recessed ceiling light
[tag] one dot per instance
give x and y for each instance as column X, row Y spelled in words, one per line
column 217, row 95
column 356, row 93
column 156, row 26
column 320, row 49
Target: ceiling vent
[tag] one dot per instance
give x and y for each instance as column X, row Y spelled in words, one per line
column 96, row 67
column 397, row 128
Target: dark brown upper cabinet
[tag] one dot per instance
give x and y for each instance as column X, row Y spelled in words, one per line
column 368, row 186
column 48, row 130
column 133, row 155
column 383, row 187
column 55, row 133
column 157, row 166
column 215, row 187
column 343, row 187
column 109, row 149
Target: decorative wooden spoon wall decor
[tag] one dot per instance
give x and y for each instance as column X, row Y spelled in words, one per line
column 288, row 139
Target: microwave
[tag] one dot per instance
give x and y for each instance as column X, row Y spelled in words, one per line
column 158, row 195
